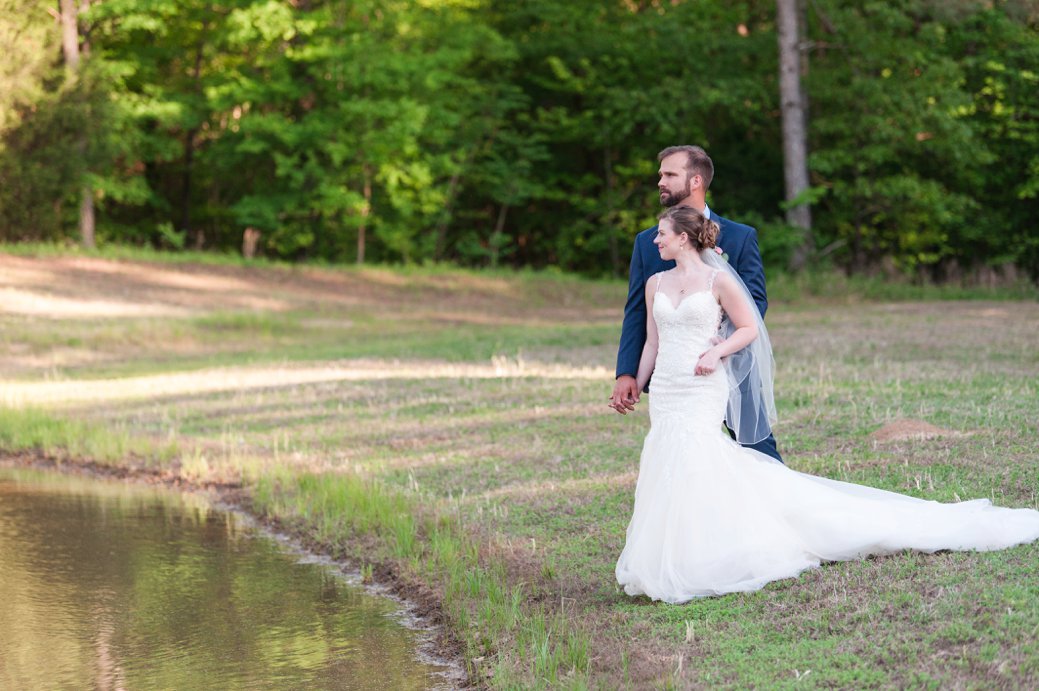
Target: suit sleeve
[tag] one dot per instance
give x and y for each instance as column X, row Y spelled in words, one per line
column 633, row 330
column 752, row 270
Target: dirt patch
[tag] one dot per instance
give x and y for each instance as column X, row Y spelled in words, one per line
column 86, row 287
column 908, row 429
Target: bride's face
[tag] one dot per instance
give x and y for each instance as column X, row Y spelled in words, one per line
column 668, row 243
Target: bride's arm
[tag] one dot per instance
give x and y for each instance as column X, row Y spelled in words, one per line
column 738, row 309
column 649, row 351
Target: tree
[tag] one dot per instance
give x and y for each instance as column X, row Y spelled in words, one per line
column 795, row 135
column 479, row 132
column 71, row 49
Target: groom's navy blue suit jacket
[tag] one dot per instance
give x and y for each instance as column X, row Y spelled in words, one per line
column 738, row 241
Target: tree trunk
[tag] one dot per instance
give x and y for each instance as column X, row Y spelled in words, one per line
column 496, row 236
column 795, row 137
column 71, row 50
column 185, row 189
column 70, row 35
column 445, row 216
column 86, row 217
column 366, row 210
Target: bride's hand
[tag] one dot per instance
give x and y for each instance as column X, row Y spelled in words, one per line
column 625, row 394
column 707, row 363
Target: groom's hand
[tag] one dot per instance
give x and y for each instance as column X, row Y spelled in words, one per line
column 625, row 394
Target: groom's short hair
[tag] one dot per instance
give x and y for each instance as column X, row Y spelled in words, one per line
column 697, row 161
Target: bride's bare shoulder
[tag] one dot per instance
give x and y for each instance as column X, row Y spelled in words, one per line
column 652, row 285
column 723, row 281
column 656, row 278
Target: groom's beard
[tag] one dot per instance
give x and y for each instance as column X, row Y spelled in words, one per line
column 669, row 198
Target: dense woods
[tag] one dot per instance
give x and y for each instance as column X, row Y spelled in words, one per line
column 520, row 133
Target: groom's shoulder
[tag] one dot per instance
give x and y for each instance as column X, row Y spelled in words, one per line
column 647, row 233
column 734, row 233
column 645, row 237
column 728, row 224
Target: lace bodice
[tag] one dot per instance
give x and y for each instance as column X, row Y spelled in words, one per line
column 685, row 331
column 693, row 321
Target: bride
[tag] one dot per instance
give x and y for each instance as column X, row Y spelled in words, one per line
column 713, row 517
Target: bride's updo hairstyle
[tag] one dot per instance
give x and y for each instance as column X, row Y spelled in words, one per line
column 703, row 233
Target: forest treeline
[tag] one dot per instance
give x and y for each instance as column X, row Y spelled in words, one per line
column 520, row 133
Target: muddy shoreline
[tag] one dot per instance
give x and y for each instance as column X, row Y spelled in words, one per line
column 420, row 606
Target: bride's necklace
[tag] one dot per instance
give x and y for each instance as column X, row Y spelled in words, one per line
column 681, row 289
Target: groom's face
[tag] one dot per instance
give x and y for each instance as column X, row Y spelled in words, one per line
column 675, row 180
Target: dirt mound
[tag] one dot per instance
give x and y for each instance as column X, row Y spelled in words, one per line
column 902, row 430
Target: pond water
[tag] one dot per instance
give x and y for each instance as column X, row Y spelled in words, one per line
column 110, row 585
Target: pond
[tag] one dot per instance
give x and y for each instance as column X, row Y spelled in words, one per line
column 110, row 585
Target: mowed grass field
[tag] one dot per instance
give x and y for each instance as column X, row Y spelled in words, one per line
column 448, row 431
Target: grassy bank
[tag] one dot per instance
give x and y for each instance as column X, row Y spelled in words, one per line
column 448, row 429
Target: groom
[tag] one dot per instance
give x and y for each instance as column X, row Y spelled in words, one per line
column 685, row 175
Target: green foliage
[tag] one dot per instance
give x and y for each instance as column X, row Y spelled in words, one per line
column 923, row 173
column 29, row 42
column 524, row 133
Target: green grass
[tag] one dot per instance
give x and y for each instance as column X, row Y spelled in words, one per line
column 506, row 497
column 32, row 429
column 131, row 253
column 482, row 608
column 832, row 284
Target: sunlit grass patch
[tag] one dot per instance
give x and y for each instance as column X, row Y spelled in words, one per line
column 31, row 429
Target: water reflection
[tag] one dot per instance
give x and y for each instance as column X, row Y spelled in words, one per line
column 112, row 586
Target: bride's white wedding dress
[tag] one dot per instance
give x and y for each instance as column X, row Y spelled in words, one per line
column 713, row 517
